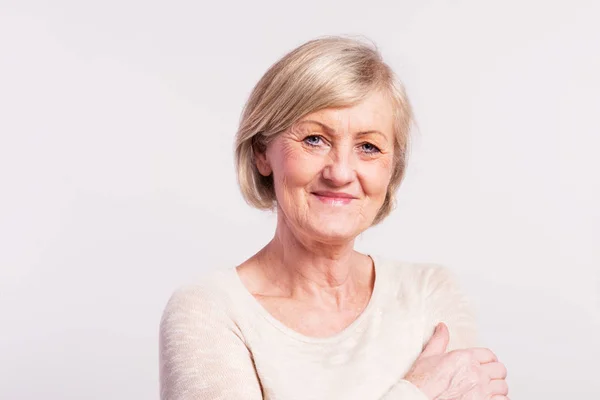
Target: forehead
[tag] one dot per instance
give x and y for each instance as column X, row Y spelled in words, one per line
column 374, row 113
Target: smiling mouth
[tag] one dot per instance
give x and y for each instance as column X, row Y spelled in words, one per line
column 333, row 198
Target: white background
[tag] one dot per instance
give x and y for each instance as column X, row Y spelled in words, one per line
column 117, row 183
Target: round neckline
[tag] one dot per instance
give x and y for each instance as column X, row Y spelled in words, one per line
column 347, row 331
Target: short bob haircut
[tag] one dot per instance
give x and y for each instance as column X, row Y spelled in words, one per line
column 329, row 72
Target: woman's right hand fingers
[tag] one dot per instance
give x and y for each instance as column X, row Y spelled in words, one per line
column 482, row 355
column 498, row 387
column 495, row 370
column 460, row 373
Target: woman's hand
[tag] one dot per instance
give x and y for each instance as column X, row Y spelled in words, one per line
column 470, row 374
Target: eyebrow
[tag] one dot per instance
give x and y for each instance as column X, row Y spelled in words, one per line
column 329, row 129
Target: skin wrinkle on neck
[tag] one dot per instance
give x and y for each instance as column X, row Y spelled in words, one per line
column 312, row 284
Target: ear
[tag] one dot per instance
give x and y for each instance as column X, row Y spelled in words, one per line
column 262, row 162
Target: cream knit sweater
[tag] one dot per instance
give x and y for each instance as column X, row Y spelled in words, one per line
column 218, row 342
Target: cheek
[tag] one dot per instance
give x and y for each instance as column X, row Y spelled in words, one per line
column 293, row 170
column 377, row 176
column 295, row 167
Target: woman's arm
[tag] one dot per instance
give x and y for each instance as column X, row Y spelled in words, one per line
column 202, row 354
column 445, row 301
column 442, row 301
column 404, row 390
column 440, row 370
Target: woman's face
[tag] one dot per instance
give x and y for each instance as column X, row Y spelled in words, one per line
column 331, row 170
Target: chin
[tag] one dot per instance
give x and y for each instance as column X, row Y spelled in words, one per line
column 335, row 229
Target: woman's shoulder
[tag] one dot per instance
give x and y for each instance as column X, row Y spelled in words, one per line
column 416, row 274
column 428, row 283
column 435, row 289
column 209, row 297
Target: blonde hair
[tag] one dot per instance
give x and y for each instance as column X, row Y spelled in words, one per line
column 322, row 73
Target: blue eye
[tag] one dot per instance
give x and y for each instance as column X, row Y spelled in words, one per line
column 370, row 148
column 312, row 140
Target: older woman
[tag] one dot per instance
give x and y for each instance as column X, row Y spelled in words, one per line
column 323, row 140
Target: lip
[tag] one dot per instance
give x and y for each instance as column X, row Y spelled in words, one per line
column 335, row 195
column 334, row 198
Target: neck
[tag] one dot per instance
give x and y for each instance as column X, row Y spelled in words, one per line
column 307, row 269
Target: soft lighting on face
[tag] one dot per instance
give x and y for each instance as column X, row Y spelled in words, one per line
column 331, row 170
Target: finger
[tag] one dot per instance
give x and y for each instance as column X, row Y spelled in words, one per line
column 499, row 397
column 494, row 370
column 498, row 387
column 438, row 342
column 483, row 355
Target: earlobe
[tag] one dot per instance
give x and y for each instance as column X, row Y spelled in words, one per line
column 262, row 164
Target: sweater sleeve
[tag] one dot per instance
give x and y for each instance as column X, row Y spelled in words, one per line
column 404, row 390
column 201, row 351
column 445, row 301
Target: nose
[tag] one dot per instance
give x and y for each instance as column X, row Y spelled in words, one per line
column 340, row 169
